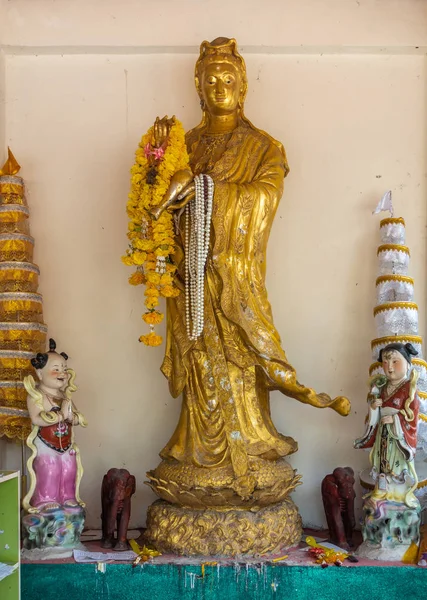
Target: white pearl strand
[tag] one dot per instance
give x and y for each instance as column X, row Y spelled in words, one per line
column 161, row 265
column 198, row 214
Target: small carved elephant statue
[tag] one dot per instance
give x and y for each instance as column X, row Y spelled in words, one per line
column 118, row 486
column 338, row 500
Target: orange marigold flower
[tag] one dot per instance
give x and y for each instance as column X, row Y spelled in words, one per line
column 152, row 339
column 153, row 277
column 151, row 291
column 137, row 278
column 153, row 317
column 152, row 302
column 166, row 279
column 139, row 257
column 169, row 292
column 127, row 260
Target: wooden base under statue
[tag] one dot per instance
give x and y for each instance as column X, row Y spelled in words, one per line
column 226, row 532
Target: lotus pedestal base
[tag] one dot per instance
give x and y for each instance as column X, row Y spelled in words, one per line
column 222, row 532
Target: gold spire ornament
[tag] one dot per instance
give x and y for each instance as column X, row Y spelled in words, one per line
column 11, row 166
column 22, row 331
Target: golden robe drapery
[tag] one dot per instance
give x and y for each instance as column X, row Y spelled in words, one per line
column 226, row 375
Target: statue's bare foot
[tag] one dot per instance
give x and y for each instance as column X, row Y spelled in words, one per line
column 107, row 543
column 121, row 546
column 71, row 503
column 47, row 506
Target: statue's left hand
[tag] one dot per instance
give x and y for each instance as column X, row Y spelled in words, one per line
column 387, row 420
column 185, row 196
column 181, row 184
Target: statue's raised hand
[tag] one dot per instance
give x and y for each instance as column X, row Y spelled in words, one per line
column 376, row 403
column 161, row 130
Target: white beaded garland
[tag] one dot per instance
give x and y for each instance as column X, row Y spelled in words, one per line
column 161, row 265
column 198, row 214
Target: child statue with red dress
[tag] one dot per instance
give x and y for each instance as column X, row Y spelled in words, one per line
column 391, row 510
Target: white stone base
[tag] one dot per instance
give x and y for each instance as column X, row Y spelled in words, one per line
column 376, row 552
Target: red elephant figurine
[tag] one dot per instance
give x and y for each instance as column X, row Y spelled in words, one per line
column 338, row 499
column 118, row 486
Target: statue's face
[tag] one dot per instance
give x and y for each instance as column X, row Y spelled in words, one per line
column 221, row 87
column 395, row 365
column 54, row 375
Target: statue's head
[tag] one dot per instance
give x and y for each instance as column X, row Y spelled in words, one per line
column 220, row 77
column 396, row 360
column 51, row 367
column 344, row 478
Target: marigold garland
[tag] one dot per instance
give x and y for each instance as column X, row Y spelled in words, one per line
column 152, row 243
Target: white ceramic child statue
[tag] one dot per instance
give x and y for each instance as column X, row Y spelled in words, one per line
column 56, row 514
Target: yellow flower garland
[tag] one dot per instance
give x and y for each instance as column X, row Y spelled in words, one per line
column 150, row 239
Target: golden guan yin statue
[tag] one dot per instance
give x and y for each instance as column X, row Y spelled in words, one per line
column 223, row 481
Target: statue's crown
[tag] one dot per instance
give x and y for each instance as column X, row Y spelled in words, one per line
column 221, row 48
column 220, row 45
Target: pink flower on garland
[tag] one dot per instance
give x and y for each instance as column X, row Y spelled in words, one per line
column 147, row 150
column 158, row 153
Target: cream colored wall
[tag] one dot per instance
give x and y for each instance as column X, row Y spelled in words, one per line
column 167, row 23
column 86, row 79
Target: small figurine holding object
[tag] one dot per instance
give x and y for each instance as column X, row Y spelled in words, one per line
column 391, row 510
column 338, row 500
column 118, row 486
column 55, row 511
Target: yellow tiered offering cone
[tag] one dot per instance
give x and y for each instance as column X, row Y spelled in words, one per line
column 22, row 331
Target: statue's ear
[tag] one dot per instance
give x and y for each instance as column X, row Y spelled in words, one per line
column 329, row 483
column 39, row 374
column 198, row 86
column 338, row 473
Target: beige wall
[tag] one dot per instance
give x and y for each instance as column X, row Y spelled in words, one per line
column 276, row 23
column 86, row 79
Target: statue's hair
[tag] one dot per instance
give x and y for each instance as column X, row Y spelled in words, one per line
column 33, row 391
column 41, row 358
column 407, row 412
column 406, row 350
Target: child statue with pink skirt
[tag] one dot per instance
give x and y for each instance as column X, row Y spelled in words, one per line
column 54, row 511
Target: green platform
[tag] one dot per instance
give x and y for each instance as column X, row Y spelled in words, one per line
column 173, row 582
column 9, row 533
